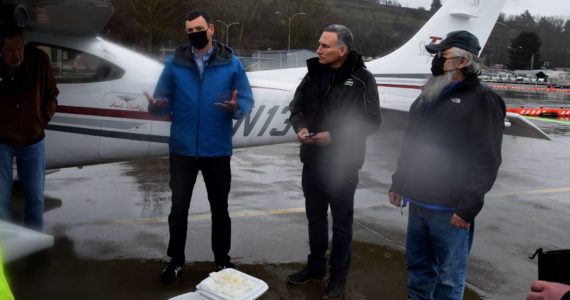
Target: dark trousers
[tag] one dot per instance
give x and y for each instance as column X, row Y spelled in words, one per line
column 217, row 176
column 325, row 185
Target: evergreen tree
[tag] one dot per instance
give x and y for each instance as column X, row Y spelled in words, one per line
column 435, row 5
column 524, row 51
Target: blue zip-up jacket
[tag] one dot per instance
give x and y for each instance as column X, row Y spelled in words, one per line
column 199, row 128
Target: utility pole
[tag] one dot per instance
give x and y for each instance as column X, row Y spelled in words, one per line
column 227, row 28
column 289, row 26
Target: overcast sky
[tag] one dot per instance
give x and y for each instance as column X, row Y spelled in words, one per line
column 557, row 8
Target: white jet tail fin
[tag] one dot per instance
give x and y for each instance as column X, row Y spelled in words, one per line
column 476, row 16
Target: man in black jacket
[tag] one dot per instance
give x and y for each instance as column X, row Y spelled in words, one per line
column 335, row 108
column 449, row 160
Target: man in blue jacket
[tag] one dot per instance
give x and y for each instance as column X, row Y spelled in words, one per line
column 203, row 87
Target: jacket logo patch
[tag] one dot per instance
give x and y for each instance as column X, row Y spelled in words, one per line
column 456, row 100
column 349, row 82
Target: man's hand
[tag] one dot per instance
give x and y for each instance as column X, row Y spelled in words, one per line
column 321, row 138
column 154, row 103
column 395, row 199
column 229, row 105
column 545, row 290
column 303, row 136
column 458, row 222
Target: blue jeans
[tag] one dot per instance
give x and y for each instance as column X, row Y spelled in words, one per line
column 436, row 255
column 30, row 161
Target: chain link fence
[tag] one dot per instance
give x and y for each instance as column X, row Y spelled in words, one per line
column 269, row 60
column 261, row 60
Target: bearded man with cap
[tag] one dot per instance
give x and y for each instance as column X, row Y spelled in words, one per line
column 203, row 87
column 449, row 161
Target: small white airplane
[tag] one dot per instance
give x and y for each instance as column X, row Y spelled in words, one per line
column 102, row 114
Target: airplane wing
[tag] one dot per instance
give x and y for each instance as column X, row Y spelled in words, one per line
column 83, row 18
column 18, row 241
column 517, row 125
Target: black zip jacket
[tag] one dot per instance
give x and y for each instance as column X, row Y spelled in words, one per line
column 342, row 101
column 452, row 149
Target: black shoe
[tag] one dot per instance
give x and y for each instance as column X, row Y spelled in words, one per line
column 170, row 273
column 225, row 265
column 334, row 289
column 305, row 275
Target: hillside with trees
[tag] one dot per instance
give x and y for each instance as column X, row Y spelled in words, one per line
column 518, row 41
column 379, row 27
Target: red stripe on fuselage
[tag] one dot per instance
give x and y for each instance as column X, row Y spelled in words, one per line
column 269, row 88
column 125, row 114
column 400, row 86
column 143, row 115
column 112, row 113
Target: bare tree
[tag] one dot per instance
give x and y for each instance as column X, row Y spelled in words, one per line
column 151, row 16
column 246, row 12
column 305, row 28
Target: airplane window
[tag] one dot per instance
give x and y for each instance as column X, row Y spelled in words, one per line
column 72, row 66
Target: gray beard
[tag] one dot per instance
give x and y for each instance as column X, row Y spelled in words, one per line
column 435, row 84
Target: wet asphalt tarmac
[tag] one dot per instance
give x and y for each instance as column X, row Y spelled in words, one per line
column 110, row 225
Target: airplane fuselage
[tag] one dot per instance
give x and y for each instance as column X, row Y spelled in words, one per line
column 102, row 113
column 104, row 119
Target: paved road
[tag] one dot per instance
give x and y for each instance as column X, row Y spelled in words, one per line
column 110, row 224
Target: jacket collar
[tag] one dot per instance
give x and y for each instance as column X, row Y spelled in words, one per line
column 9, row 72
column 468, row 82
column 221, row 54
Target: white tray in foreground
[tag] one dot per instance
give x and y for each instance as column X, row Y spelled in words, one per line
column 227, row 284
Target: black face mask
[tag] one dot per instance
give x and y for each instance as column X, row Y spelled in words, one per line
column 198, row 39
column 437, row 65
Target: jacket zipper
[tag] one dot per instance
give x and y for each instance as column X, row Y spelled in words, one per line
column 17, row 105
column 363, row 94
column 18, row 117
column 199, row 110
